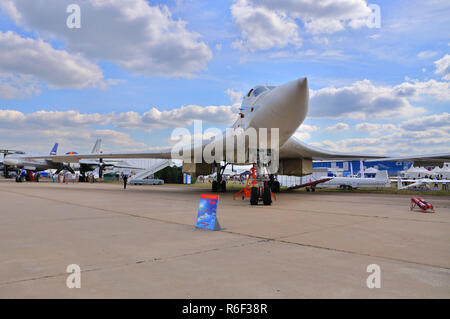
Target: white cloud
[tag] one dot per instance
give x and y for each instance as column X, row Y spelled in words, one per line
column 360, row 100
column 338, row 127
column 398, row 142
column 303, row 133
column 180, row 117
column 429, row 134
column 426, row 54
column 262, row 28
column 13, row 86
column 435, row 121
column 363, row 99
column 266, row 24
column 52, row 119
column 443, row 67
column 34, row 58
column 375, row 128
column 138, row 37
column 416, row 90
column 235, row 96
column 319, row 26
column 79, row 130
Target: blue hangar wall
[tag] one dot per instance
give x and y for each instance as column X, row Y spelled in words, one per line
column 393, row 168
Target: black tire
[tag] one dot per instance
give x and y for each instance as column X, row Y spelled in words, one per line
column 254, row 196
column 275, row 187
column 17, row 179
column 36, row 178
column 214, row 186
column 223, row 186
column 313, row 189
column 267, row 195
column 342, row 187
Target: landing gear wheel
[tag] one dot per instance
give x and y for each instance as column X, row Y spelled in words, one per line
column 313, row 189
column 254, row 196
column 17, row 179
column 37, row 178
column 214, row 186
column 223, row 187
column 275, row 187
column 267, row 195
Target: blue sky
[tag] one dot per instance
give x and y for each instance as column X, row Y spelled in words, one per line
column 136, row 69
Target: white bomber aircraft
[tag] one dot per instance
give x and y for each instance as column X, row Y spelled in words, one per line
column 281, row 107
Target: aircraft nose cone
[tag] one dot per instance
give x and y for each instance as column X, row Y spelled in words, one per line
column 286, row 108
column 295, row 104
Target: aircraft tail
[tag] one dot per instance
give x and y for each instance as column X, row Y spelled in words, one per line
column 97, row 149
column 54, row 149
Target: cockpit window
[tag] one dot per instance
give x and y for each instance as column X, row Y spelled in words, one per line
column 249, row 92
column 19, row 152
column 259, row 90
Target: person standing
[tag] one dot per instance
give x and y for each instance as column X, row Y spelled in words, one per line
column 125, row 179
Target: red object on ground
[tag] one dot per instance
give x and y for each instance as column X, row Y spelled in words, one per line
column 251, row 182
column 423, row 205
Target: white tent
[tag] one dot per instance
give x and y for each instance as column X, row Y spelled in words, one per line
column 417, row 172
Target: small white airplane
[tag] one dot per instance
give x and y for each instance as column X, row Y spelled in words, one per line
column 281, row 107
column 381, row 179
column 421, row 184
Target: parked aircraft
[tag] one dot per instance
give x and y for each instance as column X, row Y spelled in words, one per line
column 87, row 165
column 20, row 160
column 421, row 184
column 381, row 179
column 283, row 108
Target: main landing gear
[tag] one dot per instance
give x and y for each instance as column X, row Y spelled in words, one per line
column 219, row 185
column 29, row 177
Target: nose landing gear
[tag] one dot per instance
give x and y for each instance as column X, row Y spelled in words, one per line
column 257, row 189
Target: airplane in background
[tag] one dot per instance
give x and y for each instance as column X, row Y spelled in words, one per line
column 88, row 165
column 381, row 179
column 281, row 107
column 420, row 184
column 20, row 160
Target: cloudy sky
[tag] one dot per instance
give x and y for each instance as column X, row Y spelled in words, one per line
column 137, row 69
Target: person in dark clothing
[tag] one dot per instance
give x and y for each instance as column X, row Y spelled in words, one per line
column 125, row 179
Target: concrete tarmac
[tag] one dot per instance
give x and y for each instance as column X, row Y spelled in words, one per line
column 141, row 243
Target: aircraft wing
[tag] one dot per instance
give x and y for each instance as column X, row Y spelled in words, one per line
column 74, row 158
column 294, row 148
